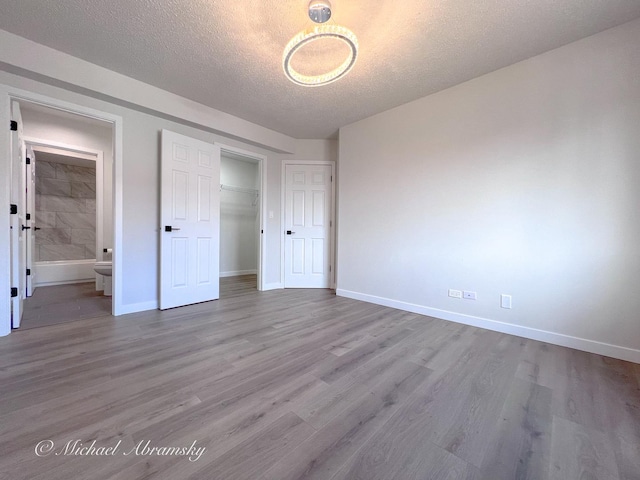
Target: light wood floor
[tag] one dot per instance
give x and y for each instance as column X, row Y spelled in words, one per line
column 68, row 303
column 64, row 303
column 236, row 286
column 294, row 384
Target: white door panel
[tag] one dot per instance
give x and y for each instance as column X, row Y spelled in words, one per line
column 308, row 192
column 18, row 220
column 190, row 214
column 31, row 222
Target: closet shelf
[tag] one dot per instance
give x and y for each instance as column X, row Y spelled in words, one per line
column 249, row 191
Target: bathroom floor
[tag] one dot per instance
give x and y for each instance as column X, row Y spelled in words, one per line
column 64, row 303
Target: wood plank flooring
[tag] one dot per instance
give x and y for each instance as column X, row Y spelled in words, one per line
column 64, row 303
column 78, row 301
column 301, row 384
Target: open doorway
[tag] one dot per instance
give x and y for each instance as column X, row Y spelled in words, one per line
column 71, row 218
column 241, row 202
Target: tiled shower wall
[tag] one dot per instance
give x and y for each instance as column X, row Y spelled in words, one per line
column 65, row 212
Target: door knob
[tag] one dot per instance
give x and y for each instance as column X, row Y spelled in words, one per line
column 25, row 228
column 289, row 232
column 169, row 228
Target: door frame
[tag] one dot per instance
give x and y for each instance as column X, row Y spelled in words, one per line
column 99, row 159
column 8, row 93
column 262, row 204
column 332, row 213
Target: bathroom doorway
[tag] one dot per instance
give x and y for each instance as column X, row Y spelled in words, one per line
column 71, row 222
column 241, row 202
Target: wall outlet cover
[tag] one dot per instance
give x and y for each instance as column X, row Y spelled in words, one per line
column 455, row 293
column 505, row 301
column 470, row 295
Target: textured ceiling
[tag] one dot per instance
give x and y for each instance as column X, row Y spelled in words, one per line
column 228, row 55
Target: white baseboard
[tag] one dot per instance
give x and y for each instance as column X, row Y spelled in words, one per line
column 137, row 307
column 272, row 286
column 591, row 346
column 5, row 328
column 238, row 273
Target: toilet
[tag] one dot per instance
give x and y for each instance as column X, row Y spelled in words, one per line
column 105, row 269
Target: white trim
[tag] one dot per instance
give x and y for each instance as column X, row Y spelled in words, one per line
column 62, row 151
column 138, row 307
column 237, row 273
column 99, row 160
column 591, row 346
column 7, row 93
column 332, row 210
column 273, row 286
column 262, row 205
column 117, row 188
column 5, row 218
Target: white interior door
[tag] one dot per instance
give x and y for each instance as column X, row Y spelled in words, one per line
column 18, row 220
column 308, row 193
column 190, row 221
column 30, row 181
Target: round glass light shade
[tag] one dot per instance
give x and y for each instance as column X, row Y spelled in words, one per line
column 307, row 36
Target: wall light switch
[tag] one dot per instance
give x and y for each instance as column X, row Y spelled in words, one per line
column 470, row 295
column 455, row 293
column 505, row 301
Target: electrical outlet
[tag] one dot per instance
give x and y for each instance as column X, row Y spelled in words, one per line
column 455, row 293
column 469, row 295
column 505, row 301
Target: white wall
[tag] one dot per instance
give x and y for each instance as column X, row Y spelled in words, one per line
column 522, row 182
column 238, row 218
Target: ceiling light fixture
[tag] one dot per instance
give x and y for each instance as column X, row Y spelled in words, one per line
column 320, row 12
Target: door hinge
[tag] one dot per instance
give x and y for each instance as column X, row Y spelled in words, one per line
column 28, row 216
column 331, row 223
column 28, row 271
column 13, row 209
column 329, row 268
column 28, row 161
column 14, row 292
column 13, row 126
column 332, row 178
